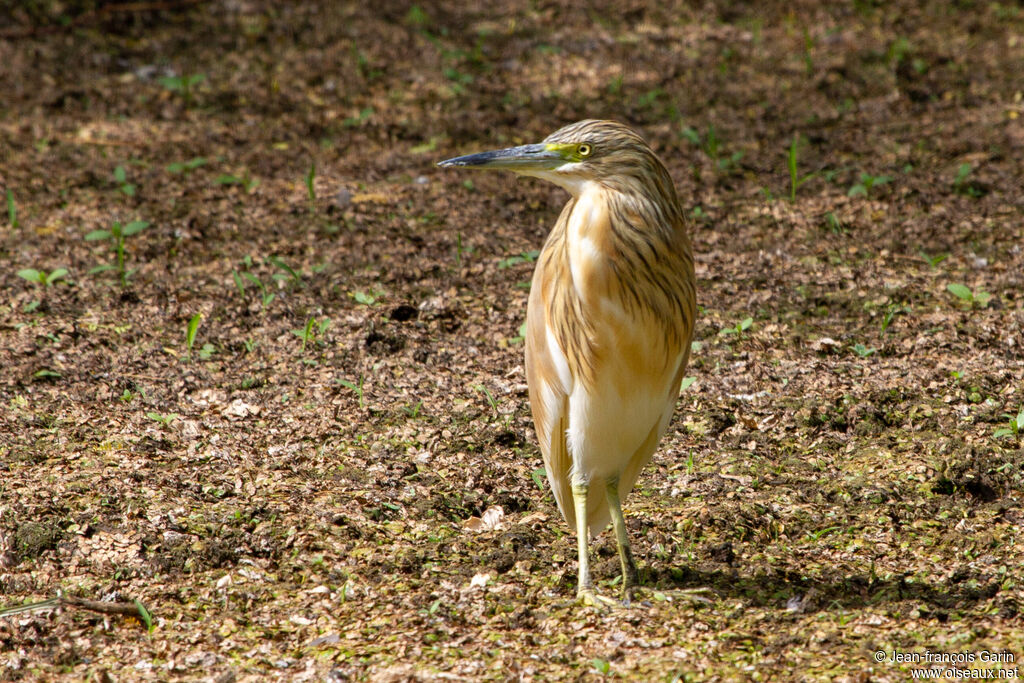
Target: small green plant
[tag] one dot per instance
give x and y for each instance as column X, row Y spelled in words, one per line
column 247, row 182
column 190, row 333
column 830, row 174
column 538, row 477
column 819, row 534
column 866, row 182
column 266, row 296
column 366, row 298
column 458, row 80
column 312, row 330
column 1015, row 426
column 650, row 98
column 525, row 257
column 809, row 44
column 490, row 399
column 863, row 351
column 239, row 283
column 963, row 185
column 165, row 420
column 416, row 17
column 933, row 261
column 425, row 147
column 12, row 210
column 738, row 329
column 898, row 51
column 42, row 277
column 306, row 333
column 962, row 172
column 121, row 180
column 890, row 314
column 795, row 179
column 311, row 186
column 977, row 299
column 711, row 145
column 460, row 250
column 183, row 85
column 117, row 235
column 686, row 383
column 144, row 615
column 413, row 411
column 289, row 272
column 615, row 84
column 431, row 608
column 355, row 121
column 186, row 167
column 519, row 338
column 363, row 66
column 726, row 59
column 357, row 388
column 601, row 666
column 834, row 225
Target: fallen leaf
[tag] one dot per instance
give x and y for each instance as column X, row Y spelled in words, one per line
column 490, row 521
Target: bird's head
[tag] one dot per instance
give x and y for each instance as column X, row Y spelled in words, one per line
column 605, row 152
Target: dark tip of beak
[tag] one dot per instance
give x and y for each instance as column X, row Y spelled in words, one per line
column 478, row 159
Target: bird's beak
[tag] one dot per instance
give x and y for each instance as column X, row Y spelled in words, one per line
column 526, row 158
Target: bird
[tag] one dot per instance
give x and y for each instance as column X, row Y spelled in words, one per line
column 609, row 323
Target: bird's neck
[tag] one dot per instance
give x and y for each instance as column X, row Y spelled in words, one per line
column 573, row 184
column 589, row 229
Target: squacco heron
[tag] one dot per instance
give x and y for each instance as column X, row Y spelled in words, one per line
column 609, row 321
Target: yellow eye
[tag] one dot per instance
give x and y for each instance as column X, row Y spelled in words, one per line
column 583, row 150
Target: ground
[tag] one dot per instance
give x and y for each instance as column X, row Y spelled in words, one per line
column 335, row 476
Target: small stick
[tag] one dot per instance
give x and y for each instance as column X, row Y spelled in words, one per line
column 128, row 609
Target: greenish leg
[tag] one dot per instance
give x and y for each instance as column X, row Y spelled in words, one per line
column 585, row 590
column 630, row 580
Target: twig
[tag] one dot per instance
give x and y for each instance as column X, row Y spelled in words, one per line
column 52, row 603
column 128, row 609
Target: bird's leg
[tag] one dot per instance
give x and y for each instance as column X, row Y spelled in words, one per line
column 585, row 592
column 630, row 580
column 585, row 589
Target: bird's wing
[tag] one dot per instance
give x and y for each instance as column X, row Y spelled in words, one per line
column 547, row 377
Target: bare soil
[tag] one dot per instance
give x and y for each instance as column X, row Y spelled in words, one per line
column 304, row 494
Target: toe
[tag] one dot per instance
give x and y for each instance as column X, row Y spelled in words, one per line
column 588, row 597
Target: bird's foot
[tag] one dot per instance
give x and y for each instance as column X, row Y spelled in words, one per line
column 589, row 598
column 701, row 595
column 633, row 595
column 693, row 596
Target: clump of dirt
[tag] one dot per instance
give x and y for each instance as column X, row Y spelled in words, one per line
column 32, row 539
